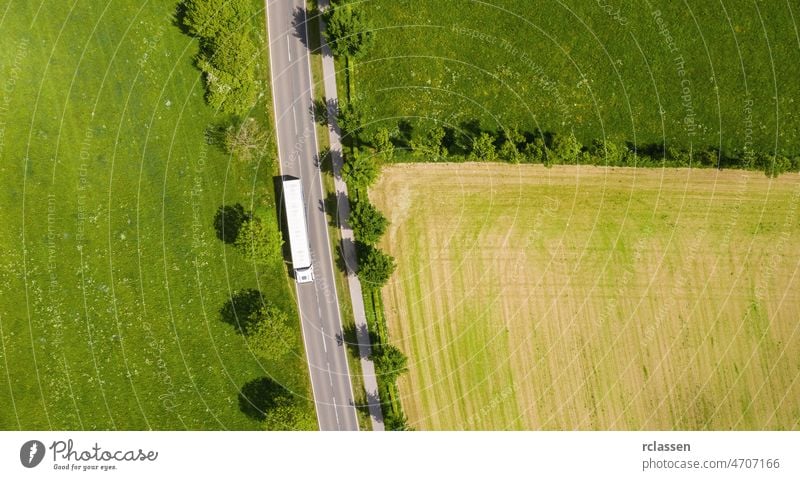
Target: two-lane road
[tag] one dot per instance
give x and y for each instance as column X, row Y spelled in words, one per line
column 297, row 149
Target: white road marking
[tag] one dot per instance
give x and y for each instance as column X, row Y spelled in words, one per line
column 294, row 114
column 330, row 377
column 324, row 343
column 288, row 50
column 336, row 411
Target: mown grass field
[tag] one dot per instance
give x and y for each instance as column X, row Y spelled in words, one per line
column 112, row 277
column 640, row 73
column 592, row 298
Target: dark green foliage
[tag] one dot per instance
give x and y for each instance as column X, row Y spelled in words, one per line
column 258, row 396
column 566, row 148
column 360, row 170
column 228, row 55
column 259, row 240
column 350, row 118
column 777, row 166
column 375, row 267
column 288, row 415
column 228, row 66
column 241, row 309
column 605, row 152
column 427, row 144
column 228, row 221
column 509, row 150
column 535, row 150
column 269, row 335
column 396, row 422
column 368, row 222
column 383, row 145
column 390, row 362
column 347, row 32
column 483, row 148
column 210, row 18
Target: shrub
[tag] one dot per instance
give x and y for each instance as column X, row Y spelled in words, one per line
column 268, row 333
column 566, row 148
column 260, row 241
column 347, row 32
column 368, row 222
column 359, row 170
column 229, row 72
column 375, row 267
column 483, row 148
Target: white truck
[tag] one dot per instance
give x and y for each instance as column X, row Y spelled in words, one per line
column 298, row 230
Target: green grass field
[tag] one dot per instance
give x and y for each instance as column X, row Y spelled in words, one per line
column 632, row 75
column 592, row 298
column 112, row 277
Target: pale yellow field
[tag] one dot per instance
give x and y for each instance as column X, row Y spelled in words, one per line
column 590, row 298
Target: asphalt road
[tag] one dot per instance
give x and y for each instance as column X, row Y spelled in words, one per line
column 298, row 149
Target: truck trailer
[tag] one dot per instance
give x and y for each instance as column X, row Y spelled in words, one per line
column 298, row 230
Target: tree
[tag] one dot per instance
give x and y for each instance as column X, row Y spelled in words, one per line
column 228, row 68
column 347, row 32
column 375, row 267
column 605, row 152
column 778, row 165
column 360, row 170
column 566, row 148
column 350, row 119
column 260, row 241
column 535, row 151
column 396, row 422
column 248, row 139
column 288, row 416
column 509, row 150
column 390, row 362
column 269, row 335
column 427, row 144
column 210, row 18
column 483, row 148
column 383, row 144
column 368, row 222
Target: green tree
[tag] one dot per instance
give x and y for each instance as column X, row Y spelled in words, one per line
column 427, row 144
column 483, row 148
column 375, row 267
column 509, row 150
column 246, row 140
column 360, row 170
column 383, row 144
column 536, row 151
column 396, row 422
column 260, row 241
column 368, row 222
column 289, row 416
column 347, row 32
column 390, row 362
column 605, row 152
column 228, row 66
column 778, row 165
column 268, row 333
column 566, row 148
column 210, row 18
column 350, row 119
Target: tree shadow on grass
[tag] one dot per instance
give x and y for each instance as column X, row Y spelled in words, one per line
column 259, row 395
column 228, row 221
column 239, row 309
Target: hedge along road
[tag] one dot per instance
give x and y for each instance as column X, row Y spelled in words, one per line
column 297, row 149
